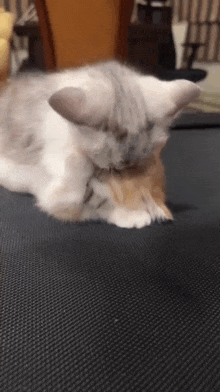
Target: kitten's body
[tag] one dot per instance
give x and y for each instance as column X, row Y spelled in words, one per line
column 60, row 133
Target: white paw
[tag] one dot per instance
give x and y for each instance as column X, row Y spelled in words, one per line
column 156, row 212
column 6, row 166
column 15, row 177
column 57, row 197
column 123, row 217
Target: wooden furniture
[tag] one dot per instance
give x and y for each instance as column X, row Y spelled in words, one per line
column 46, row 35
column 147, row 37
column 74, row 33
column 143, row 47
column 152, row 47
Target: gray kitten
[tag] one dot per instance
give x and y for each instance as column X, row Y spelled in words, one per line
column 63, row 134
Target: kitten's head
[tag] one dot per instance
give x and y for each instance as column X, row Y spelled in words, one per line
column 121, row 114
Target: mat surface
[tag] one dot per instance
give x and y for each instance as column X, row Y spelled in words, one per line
column 91, row 307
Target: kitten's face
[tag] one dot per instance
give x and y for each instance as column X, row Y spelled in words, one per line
column 120, row 114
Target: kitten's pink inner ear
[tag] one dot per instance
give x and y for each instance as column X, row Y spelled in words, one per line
column 69, row 103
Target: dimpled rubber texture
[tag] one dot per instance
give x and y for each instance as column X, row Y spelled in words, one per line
column 92, row 307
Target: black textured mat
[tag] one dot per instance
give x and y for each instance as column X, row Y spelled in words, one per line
column 197, row 120
column 91, row 307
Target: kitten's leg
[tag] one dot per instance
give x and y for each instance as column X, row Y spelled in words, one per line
column 118, row 215
column 126, row 217
column 68, row 168
column 64, row 194
column 52, row 196
column 158, row 212
column 16, row 177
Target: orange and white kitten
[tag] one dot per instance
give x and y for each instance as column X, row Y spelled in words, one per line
column 132, row 197
column 143, row 188
column 86, row 142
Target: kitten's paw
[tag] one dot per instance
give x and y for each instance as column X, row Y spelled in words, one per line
column 56, row 199
column 6, row 167
column 71, row 214
column 125, row 218
column 15, row 177
column 159, row 213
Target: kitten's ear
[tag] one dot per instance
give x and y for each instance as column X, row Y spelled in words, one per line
column 70, row 103
column 182, row 92
column 87, row 107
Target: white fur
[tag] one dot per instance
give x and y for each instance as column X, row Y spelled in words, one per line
column 22, row 178
column 123, row 217
column 155, row 211
column 165, row 99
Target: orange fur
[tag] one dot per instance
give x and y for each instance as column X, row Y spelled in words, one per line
column 137, row 188
column 134, row 187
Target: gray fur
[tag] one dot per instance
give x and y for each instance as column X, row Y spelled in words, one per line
column 129, row 109
column 25, row 102
column 23, row 106
column 128, row 120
